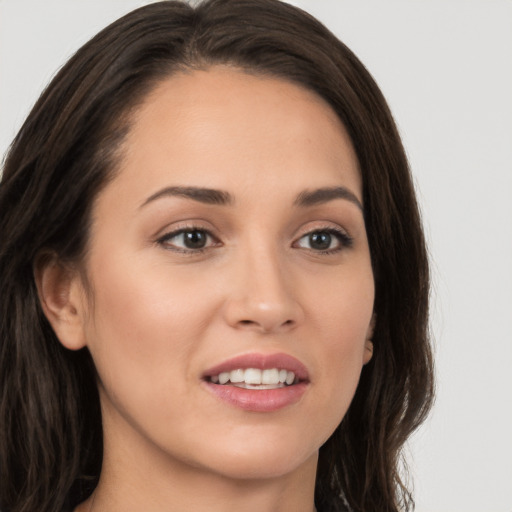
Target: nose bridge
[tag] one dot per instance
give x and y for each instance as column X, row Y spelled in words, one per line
column 263, row 297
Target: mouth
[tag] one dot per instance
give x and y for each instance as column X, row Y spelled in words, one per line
column 255, row 378
column 258, row 382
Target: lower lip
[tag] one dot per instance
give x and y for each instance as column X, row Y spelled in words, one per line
column 258, row 400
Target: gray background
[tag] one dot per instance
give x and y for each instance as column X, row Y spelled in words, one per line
column 445, row 67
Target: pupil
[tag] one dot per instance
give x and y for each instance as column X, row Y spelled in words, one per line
column 195, row 239
column 320, row 240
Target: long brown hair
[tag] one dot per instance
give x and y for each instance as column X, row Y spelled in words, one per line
column 50, row 421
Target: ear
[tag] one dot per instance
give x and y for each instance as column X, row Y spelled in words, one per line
column 368, row 344
column 61, row 296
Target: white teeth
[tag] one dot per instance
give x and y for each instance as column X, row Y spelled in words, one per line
column 248, row 378
column 237, row 376
column 270, row 376
column 290, row 378
column 223, row 377
column 252, row 376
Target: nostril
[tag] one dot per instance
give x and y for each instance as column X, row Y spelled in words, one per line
column 263, row 326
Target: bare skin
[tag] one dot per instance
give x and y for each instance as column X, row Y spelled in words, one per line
column 275, row 261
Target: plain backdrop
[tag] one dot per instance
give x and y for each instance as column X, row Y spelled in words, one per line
column 445, row 67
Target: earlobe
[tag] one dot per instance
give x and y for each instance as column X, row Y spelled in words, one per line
column 368, row 346
column 368, row 351
column 60, row 294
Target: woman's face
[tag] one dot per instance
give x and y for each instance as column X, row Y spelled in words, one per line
column 231, row 241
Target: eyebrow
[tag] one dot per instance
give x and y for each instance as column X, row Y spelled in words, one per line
column 221, row 197
column 202, row 195
column 324, row 195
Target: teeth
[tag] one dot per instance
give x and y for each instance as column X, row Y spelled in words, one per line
column 252, row 376
column 237, row 376
column 223, row 377
column 267, row 379
column 270, row 376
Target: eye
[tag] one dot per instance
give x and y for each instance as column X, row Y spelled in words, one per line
column 324, row 240
column 188, row 240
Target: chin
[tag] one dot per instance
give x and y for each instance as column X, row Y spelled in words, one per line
column 262, row 460
column 237, row 468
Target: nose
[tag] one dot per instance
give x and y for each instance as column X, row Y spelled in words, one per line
column 262, row 296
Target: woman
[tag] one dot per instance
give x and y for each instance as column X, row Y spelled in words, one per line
column 214, row 278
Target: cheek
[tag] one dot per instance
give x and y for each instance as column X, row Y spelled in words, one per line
column 143, row 328
column 342, row 306
column 343, row 314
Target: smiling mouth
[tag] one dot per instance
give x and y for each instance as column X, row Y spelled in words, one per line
column 257, row 382
column 254, row 378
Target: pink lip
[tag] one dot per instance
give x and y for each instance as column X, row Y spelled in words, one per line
column 259, row 400
column 262, row 362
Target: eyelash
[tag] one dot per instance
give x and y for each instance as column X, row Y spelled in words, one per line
column 345, row 241
column 183, row 250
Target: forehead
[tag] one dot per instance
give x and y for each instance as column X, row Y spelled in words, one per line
column 223, row 126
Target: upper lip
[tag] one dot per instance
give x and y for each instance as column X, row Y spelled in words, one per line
column 281, row 361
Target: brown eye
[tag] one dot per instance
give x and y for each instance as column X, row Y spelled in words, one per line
column 194, row 239
column 325, row 240
column 320, row 240
column 187, row 240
